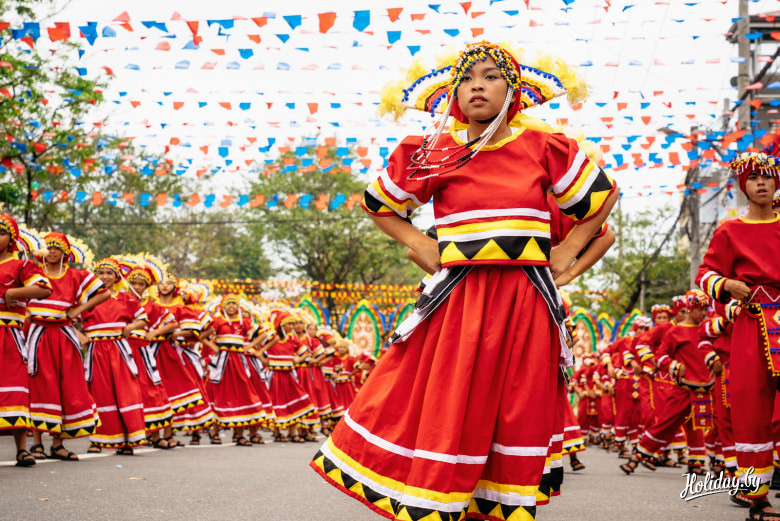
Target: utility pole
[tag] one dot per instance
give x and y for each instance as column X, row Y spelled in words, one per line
column 743, row 78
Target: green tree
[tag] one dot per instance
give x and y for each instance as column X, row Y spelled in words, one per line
column 647, row 259
column 335, row 245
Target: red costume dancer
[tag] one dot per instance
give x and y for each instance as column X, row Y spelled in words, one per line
column 291, row 402
column 328, row 367
column 491, row 314
column 259, row 375
column 180, row 363
column 310, row 375
column 60, row 400
column 643, row 350
column 233, row 397
column 587, row 410
column 158, row 414
column 739, row 264
column 21, row 280
column 626, row 392
column 718, row 331
column 691, row 365
column 110, row 369
column 604, row 383
column 344, row 370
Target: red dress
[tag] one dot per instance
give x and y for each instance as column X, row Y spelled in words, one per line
column 291, row 402
column 112, row 374
column 181, row 369
column 60, row 400
column 233, row 396
column 342, row 379
column 14, row 388
column 500, row 321
column 746, row 250
column 311, row 378
column 328, row 373
column 157, row 406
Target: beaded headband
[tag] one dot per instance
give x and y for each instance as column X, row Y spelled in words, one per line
column 109, row 264
column 696, row 298
column 140, row 274
column 9, row 226
column 747, row 163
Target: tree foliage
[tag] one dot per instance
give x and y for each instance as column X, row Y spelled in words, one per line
column 647, row 244
column 332, row 245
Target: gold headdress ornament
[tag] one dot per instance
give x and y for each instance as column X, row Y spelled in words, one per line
column 81, row 253
column 541, row 79
column 32, row 241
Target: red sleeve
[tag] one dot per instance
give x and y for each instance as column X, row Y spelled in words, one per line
column 717, row 266
column 665, row 354
column 579, row 185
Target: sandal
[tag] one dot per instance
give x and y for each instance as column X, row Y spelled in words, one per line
column 740, row 499
column 757, row 513
column 623, row 454
column 310, row 437
column 61, row 453
column 326, row 431
column 257, row 440
column 173, row 442
column 94, row 448
column 647, row 464
column 682, row 460
column 235, row 437
column 576, row 465
column 38, row 452
column 297, row 439
column 629, row 467
column 24, row 458
column 158, row 444
column 243, row 442
column 195, row 439
column 215, row 439
column 697, row 469
column 668, row 462
column 281, row 438
column 124, row 451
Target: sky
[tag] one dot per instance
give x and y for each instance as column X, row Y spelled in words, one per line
column 264, row 73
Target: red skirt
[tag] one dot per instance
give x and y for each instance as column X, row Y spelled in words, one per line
column 290, row 401
column 337, row 407
column 191, row 409
column 572, row 435
column 313, row 382
column 157, row 407
column 261, row 388
column 234, row 399
column 118, row 398
column 459, row 419
column 14, row 389
column 60, row 402
column 345, row 392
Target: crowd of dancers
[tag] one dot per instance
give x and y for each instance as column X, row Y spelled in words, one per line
column 127, row 355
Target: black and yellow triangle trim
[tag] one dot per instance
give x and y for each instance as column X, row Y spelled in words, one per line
column 392, row 509
column 15, row 422
column 44, row 426
column 189, row 405
column 295, row 420
column 229, row 424
column 81, row 432
column 511, row 248
column 157, row 424
column 495, row 511
column 577, row 446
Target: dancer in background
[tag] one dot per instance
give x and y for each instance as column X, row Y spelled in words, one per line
column 21, row 280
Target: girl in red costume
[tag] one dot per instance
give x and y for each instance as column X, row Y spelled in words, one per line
column 60, row 400
column 233, row 397
column 426, row 436
column 145, row 342
column 310, row 376
column 111, row 371
column 740, row 264
column 21, row 280
column 180, row 363
column 291, row 402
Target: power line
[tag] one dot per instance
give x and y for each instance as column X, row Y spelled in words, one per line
column 206, row 223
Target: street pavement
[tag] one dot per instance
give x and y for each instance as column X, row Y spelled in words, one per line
column 274, row 482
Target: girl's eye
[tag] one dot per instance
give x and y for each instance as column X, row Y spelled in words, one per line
column 465, row 78
column 491, row 76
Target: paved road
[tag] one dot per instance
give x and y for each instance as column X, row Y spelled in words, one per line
column 273, row 482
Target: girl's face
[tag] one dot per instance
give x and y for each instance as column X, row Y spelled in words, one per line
column 682, row 315
column 311, row 329
column 343, row 349
column 760, row 188
column 107, row 277
column 166, row 287
column 5, row 240
column 482, row 91
column 662, row 318
column 138, row 285
column 54, row 256
column 300, row 327
column 287, row 328
column 698, row 315
column 231, row 308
